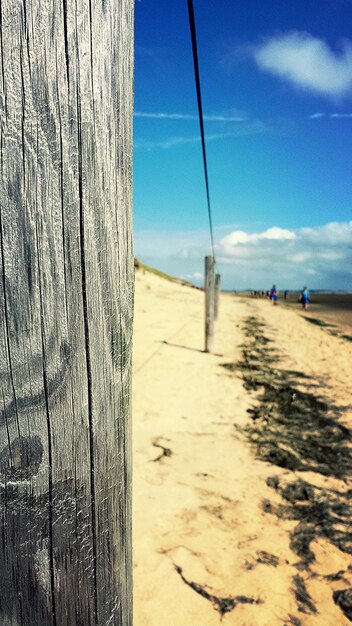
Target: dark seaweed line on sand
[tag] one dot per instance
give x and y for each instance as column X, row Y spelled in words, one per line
column 222, row 605
column 294, row 429
column 331, row 328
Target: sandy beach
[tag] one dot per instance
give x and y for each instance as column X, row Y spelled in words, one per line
column 241, row 464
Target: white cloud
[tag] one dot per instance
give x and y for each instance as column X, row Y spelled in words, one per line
column 194, row 276
column 184, row 246
column 287, row 256
column 308, row 62
column 252, row 128
column 320, row 256
column 331, row 255
column 337, row 116
column 277, row 233
column 171, row 142
column 340, row 115
column 186, row 116
column 241, row 237
column 332, row 234
column 300, row 257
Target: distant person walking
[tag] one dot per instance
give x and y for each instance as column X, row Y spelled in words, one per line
column 305, row 298
column 286, row 294
column 274, row 295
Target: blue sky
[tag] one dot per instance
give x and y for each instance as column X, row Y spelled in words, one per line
column 277, row 97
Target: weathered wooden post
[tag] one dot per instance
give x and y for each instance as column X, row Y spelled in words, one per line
column 209, row 303
column 66, row 294
column 217, row 295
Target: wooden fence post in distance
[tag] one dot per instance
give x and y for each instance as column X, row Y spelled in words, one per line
column 217, row 295
column 209, row 303
column 66, row 297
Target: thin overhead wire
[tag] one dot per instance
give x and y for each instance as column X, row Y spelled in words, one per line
column 192, row 26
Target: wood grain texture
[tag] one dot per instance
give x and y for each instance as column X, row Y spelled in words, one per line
column 66, row 303
column 209, row 302
column 217, row 295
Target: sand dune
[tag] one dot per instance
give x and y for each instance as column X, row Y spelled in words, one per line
column 237, row 515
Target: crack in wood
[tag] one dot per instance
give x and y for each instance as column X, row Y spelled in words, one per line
column 66, row 309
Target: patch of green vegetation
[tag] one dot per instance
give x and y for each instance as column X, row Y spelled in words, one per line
column 152, row 270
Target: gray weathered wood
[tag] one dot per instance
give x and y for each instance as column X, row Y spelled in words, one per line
column 217, row 295
column 66, row 296
column 209, row 303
